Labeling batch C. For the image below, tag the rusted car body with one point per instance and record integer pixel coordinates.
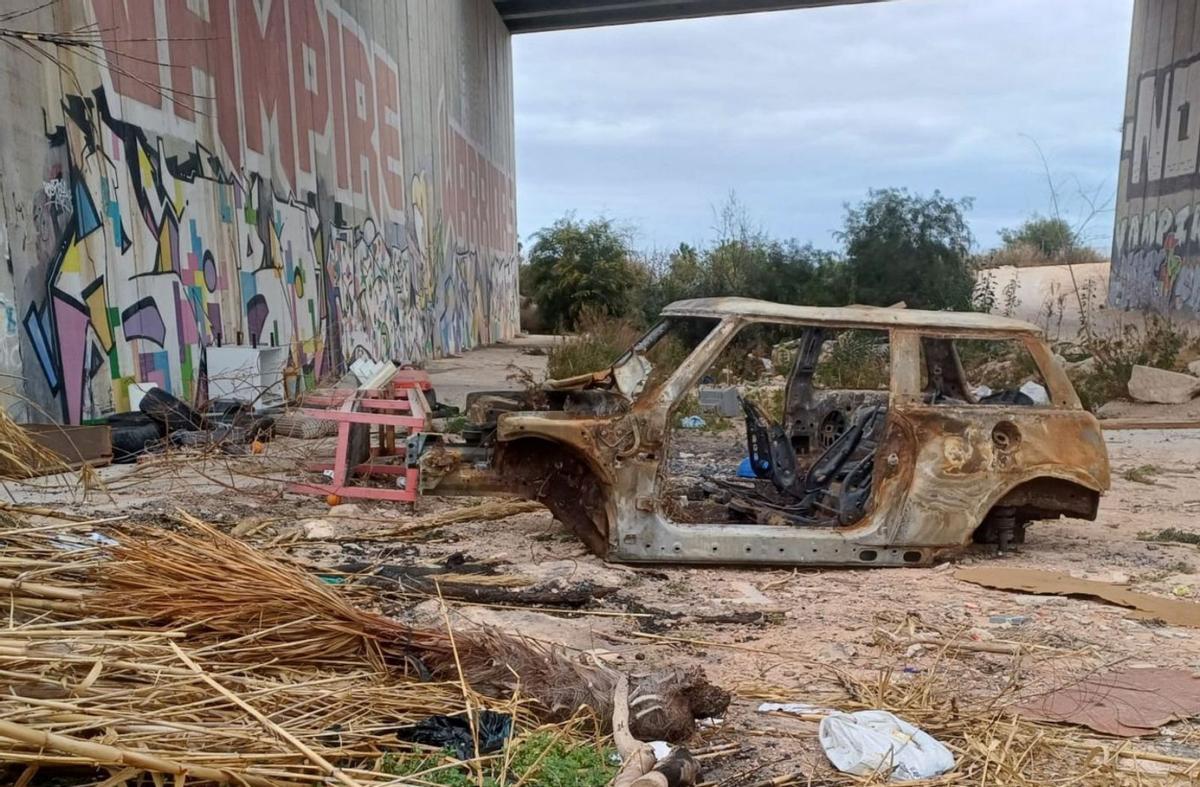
(944, 467)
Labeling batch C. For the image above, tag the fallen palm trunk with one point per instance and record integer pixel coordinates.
(482, 588)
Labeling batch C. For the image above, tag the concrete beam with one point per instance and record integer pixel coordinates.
(532, 16)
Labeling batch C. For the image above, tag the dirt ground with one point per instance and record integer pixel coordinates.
(762, 634)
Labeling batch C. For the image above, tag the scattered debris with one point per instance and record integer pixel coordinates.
(872, 742)
(305, 427)
(1008, 621)
(460, 583)
(1126, 703)
(1027, 580)
(943, 643)
(492, 511)
(693, 422)
(795, 709)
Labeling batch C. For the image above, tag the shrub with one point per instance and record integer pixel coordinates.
(905, 247)
(1024, 255)
(1048, 237)
(855, 360)
(1160, 343)
(575, 266)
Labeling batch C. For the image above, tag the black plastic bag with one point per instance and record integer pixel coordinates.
(454, 733)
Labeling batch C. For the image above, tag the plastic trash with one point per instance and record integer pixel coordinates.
(1036, 392)
(693, 422)
(454, 733)
(877, 742)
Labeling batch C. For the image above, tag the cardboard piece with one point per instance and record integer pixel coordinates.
(1053, 583)
(1126, 703)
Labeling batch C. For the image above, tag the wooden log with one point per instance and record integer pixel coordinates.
(678, 769)
(637, 758)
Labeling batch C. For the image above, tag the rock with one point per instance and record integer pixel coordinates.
(345, 509)
(1194, 367)
(1081, 368)
(318, 530)
(1008, 621)
(1160, 386)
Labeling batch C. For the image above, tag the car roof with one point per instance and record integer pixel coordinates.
(848, 316)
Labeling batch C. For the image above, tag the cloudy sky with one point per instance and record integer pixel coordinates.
(799, 112)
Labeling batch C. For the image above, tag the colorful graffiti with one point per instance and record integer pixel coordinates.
(1156, 259)
(1156, 242)
(156, 247)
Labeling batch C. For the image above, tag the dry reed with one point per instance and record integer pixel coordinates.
(186, 653)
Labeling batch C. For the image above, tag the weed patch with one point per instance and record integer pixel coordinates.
(600, 341)
(1170, 535)
(1142, 474)
(1160, 343)
(455, 424)
(542, 759)
(855, 360)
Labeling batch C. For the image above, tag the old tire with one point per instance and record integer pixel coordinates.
(169, 411)
(132, 433)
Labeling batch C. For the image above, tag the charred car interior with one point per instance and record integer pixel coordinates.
(880, 449)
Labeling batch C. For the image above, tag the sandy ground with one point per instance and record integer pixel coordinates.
(801, 629)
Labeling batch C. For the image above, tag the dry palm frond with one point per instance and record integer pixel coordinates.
(94, 672)
(21, 456)
(204, 579)
(186, 650)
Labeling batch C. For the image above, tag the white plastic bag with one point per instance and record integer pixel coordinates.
(1036, 392)
(876, 742)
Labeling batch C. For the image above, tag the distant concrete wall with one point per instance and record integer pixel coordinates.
(1156, 244)
(330, 176)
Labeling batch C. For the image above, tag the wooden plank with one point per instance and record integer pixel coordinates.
(76, 445)
(1118, 424)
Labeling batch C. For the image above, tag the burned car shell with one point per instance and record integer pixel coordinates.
(941, 469)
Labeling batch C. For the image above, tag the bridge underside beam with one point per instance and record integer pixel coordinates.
(532, 16)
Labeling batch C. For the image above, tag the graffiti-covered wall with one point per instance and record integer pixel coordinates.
(1156, 243)
(330, 176)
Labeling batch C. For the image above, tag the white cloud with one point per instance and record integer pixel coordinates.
(800, 111)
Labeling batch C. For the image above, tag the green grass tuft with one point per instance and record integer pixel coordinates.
(541, 760)
(1142, 474)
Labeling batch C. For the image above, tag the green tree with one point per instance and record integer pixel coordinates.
(575, 266)
(906, 247)
(1051, 236)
